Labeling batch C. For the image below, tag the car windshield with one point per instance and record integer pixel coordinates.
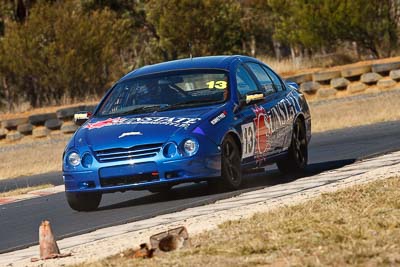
(166, 91)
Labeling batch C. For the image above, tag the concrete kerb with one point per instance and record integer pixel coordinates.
(113, 240)
(32, 194)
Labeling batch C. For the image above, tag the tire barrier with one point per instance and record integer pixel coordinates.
(42, 125)
(359, 78)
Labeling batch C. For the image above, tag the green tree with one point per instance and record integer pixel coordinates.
(210, 26)
(257, 27)
(373, 24)
(305, 24)
(61, 52)
(323, 24)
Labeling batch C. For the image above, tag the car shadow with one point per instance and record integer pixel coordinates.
(200, 193)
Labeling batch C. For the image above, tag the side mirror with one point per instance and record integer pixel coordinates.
(250, 97)
(293, 85)
(254, 97)
(81, 117)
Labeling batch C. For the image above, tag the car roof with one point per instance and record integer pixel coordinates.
(210, 62)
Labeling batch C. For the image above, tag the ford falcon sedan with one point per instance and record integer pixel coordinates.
(189, 120)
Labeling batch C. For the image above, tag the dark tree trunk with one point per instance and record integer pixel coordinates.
(21, 11)
(277, 50)
(253, 46)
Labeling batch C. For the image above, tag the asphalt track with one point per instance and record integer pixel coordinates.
(19, 221)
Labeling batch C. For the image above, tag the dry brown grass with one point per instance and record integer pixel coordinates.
(31, 157)
(25, 110)
(355, 112)
(288, 66)
(24, 190)
(359, 226)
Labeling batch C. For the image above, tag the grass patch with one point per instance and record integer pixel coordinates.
(359, 226)
(31, 158)
(355, 112)
(24, 190)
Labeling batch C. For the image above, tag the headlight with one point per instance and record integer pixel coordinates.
(190, 147)
(74, 159)
(170, 150)
(87, 160)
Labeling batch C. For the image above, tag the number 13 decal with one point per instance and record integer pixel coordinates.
(249, 141)
(217, 84)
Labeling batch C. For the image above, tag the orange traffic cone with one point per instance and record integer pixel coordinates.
(47, 242)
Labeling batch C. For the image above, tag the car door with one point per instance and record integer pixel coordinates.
(284, 111)
(253, 117)
(273, 98)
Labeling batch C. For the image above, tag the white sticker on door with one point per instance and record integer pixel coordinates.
(248, 137)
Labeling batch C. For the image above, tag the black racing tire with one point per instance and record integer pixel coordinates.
(160, 189)
(40, 119)
(53, 124)
(231, 170)
(83, 201)
(25, 129)
(297, 158)
(67, 113)
(12, 124)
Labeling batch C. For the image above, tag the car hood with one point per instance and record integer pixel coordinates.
(150, 128)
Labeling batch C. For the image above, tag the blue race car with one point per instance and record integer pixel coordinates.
(205, 118)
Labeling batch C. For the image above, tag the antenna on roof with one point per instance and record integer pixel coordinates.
(190, 50)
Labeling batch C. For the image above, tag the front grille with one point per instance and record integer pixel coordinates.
(127, 180)
(136, 152)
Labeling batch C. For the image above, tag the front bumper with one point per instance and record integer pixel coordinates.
(124, 176)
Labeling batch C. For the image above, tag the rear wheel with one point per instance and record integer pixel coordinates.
(296, 160)
(83, 201)
(230, 164)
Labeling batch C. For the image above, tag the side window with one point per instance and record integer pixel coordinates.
(262, 77)
(275, 79)
(244, 81)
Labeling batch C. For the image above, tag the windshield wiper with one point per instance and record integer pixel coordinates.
(141, 109)
(188, 103)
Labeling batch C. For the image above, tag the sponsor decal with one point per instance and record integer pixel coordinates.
(170, 121)
(217, 84)
(257, 135)
(263, 132)
(105, 123)
(82, 116)
(130, 134)
(249, 140)
(219, 118)
(198, 130)
(250, 98)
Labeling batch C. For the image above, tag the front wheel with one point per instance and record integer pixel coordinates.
(230, 164)
(83, 201)
(296, 160)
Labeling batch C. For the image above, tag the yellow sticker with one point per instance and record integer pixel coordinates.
(250, 98)
(217, 84)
